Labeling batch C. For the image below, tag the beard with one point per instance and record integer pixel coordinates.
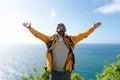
(61, 33)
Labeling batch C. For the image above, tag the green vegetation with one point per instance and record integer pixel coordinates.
(45, 75)
(75, 76)
(111, 72)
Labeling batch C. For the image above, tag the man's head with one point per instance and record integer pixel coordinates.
(61, 29)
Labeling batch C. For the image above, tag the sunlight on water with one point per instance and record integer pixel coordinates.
(7, 65)
(16, 60)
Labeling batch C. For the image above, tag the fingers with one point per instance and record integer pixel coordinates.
(96, 25)
(30, 24)
(24, 24)
(27, 25)
(99, 23)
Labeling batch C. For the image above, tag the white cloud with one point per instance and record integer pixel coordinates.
(112, 7)
(116, 1)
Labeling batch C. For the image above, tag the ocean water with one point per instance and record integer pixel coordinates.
(17, 60)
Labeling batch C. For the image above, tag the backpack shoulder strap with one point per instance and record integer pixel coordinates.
(51, 40)
(70, 41)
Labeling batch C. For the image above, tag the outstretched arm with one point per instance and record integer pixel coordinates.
(85, 34)
(37, 34)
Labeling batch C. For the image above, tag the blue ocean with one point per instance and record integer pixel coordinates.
(17, 60)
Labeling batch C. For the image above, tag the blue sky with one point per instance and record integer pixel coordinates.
(44, 15)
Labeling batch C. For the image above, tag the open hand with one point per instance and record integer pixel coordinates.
(96, 25)
(27, 25)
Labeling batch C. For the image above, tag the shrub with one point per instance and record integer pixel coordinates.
(45, 75)
(111, 72)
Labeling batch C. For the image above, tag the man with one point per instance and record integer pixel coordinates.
(60, 57)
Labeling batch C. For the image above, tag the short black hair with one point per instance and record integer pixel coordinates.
(61, 24)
